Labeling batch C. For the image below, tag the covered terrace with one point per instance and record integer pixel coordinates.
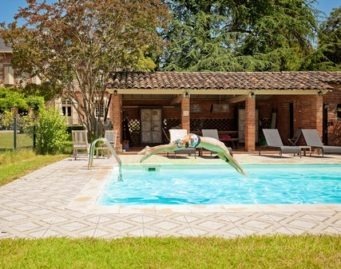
(238, 104)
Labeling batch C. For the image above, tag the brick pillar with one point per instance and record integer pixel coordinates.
(116, 118)
(317, 114)
(185, 113)
(250, 121)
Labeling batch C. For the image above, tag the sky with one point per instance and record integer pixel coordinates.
(9, 7)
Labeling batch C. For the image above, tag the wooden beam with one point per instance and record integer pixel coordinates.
(176, 100)
(236, 99)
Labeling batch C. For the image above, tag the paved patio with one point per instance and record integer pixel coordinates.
(60, 200)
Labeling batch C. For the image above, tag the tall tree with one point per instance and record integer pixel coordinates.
(330, 38)
(237, 35)
(327, 55)
(76, 44)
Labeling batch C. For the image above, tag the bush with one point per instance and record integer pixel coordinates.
(51, 132)
(6, 120)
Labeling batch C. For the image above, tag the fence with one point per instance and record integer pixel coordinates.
(15, 136)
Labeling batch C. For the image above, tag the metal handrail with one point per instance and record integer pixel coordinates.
(112, 150)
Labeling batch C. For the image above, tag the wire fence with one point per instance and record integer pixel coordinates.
(14, 136)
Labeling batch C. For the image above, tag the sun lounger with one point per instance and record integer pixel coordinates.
(176, 134)
(214, 134)
(313, 140)
(274, 140)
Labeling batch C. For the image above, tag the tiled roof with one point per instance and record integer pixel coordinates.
(3, 47)
(225, 80)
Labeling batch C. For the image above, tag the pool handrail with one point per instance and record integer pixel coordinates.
(112, 150)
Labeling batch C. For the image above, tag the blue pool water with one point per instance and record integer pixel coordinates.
(265, 184)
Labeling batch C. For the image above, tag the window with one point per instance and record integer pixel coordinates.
(67, 107)
(100, 106)
(195, 108)
(66, 111)
(338, 111)
(99, 109)
(36, 80)
(8, 75)
(219, 108)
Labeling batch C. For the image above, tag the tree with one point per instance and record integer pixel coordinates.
(239, 35)
(329, 42)
(75, 45)
(11, 98)
(330, 37)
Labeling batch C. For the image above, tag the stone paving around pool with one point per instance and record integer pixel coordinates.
(60, 200)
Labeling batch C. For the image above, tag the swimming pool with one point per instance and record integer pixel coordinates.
(205, 185)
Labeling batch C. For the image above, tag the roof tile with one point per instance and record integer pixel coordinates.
(225, 80)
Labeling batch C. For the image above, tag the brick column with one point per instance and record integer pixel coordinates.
(317, 114)
(250, 121)
(116, 118)
(185, 113)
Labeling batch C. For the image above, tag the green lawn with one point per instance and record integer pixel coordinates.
(7, 137)
(250, 252)
(14, 164)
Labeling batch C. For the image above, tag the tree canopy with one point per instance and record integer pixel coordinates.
(11, 98)
(239, 35)
(330, 38)
(77, 44)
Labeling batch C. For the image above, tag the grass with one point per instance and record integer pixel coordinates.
(15, 164)
(249, 252)
(23, 140)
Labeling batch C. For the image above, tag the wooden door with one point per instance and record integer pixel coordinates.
(151, 132)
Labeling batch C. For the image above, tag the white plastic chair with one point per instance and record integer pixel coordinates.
(111, 136)
(176, 134)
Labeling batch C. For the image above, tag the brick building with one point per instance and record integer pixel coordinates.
(238, 104)
(6, 70)
(9, 78)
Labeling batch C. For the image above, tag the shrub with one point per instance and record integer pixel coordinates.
(6, 120)
(51, 132)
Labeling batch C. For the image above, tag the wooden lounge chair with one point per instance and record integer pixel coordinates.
(274, 140)
(313, 140)
(79, 142)
(176, 134)
(214, 134)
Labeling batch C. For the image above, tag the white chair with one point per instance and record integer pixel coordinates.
(79, 142)
(176, 134)
(111, 136)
